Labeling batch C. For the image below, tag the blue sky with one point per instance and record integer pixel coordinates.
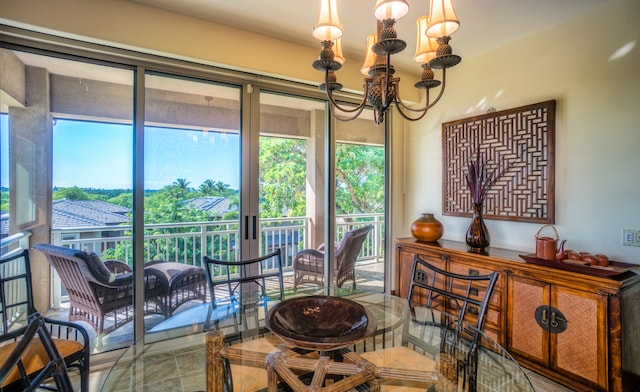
(97, 155)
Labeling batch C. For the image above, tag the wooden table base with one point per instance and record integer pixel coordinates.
(286, 366)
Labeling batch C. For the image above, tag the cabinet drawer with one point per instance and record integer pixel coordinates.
(478, 288)
(493, 319)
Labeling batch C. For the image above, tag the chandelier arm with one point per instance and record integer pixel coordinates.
(428, 105)
(444, 83)
(335, 104)
(349, 118)
(423, 111)
(400, 104)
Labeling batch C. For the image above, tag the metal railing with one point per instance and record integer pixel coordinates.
(188, 242)
(13, 292)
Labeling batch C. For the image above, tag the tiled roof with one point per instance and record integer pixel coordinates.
(82, 213)
(214, 205)
(86, 213)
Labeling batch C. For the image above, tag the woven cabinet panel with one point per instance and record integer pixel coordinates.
(526, 334)
(577, 347)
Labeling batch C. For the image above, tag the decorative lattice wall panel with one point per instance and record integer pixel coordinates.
(522, 138)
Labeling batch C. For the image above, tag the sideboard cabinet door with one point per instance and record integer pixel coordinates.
(560, 328)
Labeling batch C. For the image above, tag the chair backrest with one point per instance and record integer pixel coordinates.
(245, 284)
(349, 248)
(463, 299)
(16, 294)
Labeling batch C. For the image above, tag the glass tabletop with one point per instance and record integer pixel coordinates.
(405, 343)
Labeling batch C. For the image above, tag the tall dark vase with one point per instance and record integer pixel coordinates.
(477, 234)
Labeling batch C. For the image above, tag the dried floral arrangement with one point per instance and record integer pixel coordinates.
(479, 179)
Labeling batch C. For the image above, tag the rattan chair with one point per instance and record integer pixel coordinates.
(100, 290)
(308, 264)
(28, 360)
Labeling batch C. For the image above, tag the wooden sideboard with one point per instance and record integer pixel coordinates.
(578, 329)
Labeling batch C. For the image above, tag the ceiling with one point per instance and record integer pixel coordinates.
(484, 24)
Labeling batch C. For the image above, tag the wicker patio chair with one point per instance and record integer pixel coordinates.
(308, 264)
(100, 290)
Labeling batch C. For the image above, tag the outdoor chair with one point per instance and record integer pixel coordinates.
(308, 264)
(240, 289)
(437, 297)
(33, 348)
(104, 290)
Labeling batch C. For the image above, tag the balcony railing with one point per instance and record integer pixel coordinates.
(188, 242)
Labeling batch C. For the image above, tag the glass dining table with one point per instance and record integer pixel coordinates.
(404, 351)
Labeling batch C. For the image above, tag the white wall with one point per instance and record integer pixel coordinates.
(597, 129)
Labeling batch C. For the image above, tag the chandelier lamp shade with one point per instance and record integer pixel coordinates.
(381, 88)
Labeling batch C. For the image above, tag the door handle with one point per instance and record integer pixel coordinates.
(541, 315)
(255, 226)
(558, 322)
(551, 319)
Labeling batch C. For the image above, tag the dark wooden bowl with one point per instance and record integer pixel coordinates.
(320, 323)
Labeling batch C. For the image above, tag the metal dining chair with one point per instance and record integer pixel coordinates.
(27, 360)
(444, 307)
(458, 303)
(240, 289)
(241, 292)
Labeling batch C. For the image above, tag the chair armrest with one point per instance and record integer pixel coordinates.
(308, 258)
(309, 254)
(117, 266)
(67, 330)
(335, 247)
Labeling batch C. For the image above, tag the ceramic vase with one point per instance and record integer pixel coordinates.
(427, 228)
(477, 234)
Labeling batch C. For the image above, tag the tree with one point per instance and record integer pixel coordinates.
(207, 188)
(282, 177)
(182, 185)
(359, 179)
(72, 193)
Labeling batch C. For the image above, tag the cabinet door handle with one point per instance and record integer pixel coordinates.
(474, 272)
(556, 319)
(541, 315)
(545, 317)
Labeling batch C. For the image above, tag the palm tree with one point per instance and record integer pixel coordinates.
(207, 188)
(221, 188)
(183, 186)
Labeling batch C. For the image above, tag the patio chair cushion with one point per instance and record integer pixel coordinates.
(185, 283)
(96, 266)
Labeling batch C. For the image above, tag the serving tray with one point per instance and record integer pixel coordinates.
(614, 268)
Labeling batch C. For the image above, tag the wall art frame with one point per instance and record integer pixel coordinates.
(522, 142)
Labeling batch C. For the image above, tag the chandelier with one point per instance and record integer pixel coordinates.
(381, 88)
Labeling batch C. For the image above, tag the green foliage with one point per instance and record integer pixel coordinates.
(72, 193)
(282, 177)
(4, 200)
(215, 188)
(359, 179)
(124, 199)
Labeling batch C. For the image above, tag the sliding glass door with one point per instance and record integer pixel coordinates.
(192, 141)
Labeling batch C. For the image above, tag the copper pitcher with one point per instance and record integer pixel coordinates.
(546, 247)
